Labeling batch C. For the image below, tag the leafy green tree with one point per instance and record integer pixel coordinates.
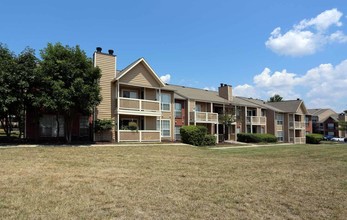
(25, 81)
(7, 96)
(276, 98)
(69, 83)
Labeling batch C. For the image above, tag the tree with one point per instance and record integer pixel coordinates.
(25, 81)
(276, 98)
(7, 96)
(69, 83)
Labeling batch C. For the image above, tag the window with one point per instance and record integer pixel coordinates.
(198, 107)
(165, 102)
(331, 125)
(130, 94)
(84, 126)
(178, 110)
(279, 119)
(165, 127)
(279, 136)
(177, 133)
(48, 126)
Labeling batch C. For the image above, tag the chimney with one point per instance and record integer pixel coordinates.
(110, 52)
(98, 49)
(225, 91)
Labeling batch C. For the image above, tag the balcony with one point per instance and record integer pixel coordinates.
(139, 107)
(298, 140)
(256, 120)
(139, 136)
(297, 125)
(204, 117)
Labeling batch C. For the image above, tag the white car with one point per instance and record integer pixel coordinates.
(338, 139)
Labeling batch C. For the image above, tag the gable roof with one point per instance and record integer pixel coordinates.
(319, 111)
(290, 106)
(123, 72)
(261, 103)
(196, 94)
(183, 92)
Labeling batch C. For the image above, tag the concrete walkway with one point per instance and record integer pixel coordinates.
(94, 145)
(246, 145)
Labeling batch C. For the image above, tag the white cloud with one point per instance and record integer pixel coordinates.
(323, 21)
(308, 36)
(166, 78)
(210, 88)
(322, 86)
(245, 91)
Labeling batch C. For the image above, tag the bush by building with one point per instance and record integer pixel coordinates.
(256, 138)
(196, 135)
(314, 138)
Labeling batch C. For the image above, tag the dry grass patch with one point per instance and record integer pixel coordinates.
(160, 182)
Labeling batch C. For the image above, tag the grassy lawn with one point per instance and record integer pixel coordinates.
(174, 182)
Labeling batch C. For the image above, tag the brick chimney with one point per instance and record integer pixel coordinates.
(226, 91)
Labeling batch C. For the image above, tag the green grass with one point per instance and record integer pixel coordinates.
(174, 182)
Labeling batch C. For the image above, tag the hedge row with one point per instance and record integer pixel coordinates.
(313, 138)
(196, 135)
(256, 138)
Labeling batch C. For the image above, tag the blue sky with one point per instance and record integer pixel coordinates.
(297, 49)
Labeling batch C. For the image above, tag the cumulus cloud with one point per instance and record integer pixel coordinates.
(245, 91)
(166, 78)
(322, 86)
(308, 36)
(210, 88)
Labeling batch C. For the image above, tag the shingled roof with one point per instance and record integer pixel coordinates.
(290, 106)
(197, 94)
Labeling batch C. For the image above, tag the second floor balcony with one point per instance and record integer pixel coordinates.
(139, 106)
(256, 120)
(204, 117)
(297, 125)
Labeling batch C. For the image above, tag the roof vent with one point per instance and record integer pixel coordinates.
(98, 49)
(110, 52)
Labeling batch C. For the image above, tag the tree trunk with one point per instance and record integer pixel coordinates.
(58, 124)
(68, 126)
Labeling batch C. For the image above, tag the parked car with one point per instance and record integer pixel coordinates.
(328, 137)
(338, 139)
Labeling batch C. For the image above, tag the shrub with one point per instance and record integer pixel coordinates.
(268, 138)
(256, 138)
(314, 138)
(132, 126)
(196, 135)
(209, 140)
(103, 125)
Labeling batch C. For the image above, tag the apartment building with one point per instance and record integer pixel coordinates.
(289, 121)
(325, 121)
(136, 96)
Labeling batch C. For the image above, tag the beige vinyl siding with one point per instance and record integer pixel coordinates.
(107, 65)
(191, 105)
(151, 123)
(151, 94)
(301, 110)
(139, 76)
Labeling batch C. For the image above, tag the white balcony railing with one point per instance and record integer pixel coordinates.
(297, 125)
(204, 117)
(139, 105)
(139, 136)
(256, 120)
